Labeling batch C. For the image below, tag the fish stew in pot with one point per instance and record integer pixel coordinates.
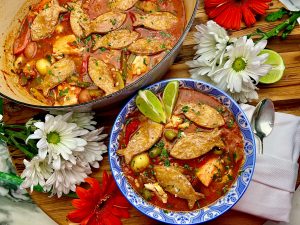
(69, 52)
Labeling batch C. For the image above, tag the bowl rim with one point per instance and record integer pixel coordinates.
(126, 88)
(164, 82)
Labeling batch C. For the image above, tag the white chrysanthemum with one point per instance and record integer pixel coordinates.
(212, 41)
(94, 149)
(82, 119)
(36, 172)
(245, 96)
(244, 66)
(65, 179)
(58, 139)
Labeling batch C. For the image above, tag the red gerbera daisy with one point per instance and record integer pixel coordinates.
(229, 13)
(99, 205)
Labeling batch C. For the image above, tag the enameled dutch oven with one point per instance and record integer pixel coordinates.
(12, 12)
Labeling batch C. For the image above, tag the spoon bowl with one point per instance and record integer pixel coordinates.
(262, 120)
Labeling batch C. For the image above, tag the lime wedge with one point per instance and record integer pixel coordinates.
(170, 97)
(277, 70)
(150, 106)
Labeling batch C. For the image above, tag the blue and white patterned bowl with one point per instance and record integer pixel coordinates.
(206, 213)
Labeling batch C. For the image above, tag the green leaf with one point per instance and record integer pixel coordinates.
(276, 15)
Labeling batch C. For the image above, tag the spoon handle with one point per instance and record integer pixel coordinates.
(261, 145)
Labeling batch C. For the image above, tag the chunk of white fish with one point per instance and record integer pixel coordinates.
(117, 39)
(156, 20)
(45, 22)
(177, 184)
(193, 145)
(101, 75)
(149, 46)
(106, 22)
(143, 139)
(57, 73)
(203, 115)
(78, 19)
(122, 4)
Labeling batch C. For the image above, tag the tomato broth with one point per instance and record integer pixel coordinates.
(230, 157)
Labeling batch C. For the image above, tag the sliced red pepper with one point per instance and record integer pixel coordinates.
(131, 128)
(132, 17)
(24, 37)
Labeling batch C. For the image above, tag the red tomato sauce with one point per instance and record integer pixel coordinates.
(232, 158)
(30, 76)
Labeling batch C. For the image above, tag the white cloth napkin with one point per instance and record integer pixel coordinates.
(270, 192)
(293, 5)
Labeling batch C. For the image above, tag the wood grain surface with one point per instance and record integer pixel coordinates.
(285, 94)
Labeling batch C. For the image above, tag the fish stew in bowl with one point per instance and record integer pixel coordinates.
(188, 162)
(70, 52)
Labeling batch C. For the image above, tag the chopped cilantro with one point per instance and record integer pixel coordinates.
(240, 172)
(63, 92)
(234, 156)
(164, 34)
(220, 109)
(167, 163)
(230, 177)
(185, 108)
(113, 21)
(230, 123)
(164, 153)
(179, 135)
(187, 167)
(145, 63)
(160, 145)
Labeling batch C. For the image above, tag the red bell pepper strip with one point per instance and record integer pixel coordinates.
(131, 128)
(24, 37)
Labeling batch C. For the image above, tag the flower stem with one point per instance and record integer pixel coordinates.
(276, 30)
(14, 126)
(12, 181)
(21, 148)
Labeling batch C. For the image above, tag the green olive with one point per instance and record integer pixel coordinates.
(170, 134)
(146, 194)
(154, 152)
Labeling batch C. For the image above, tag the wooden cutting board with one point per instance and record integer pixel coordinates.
(285, 94)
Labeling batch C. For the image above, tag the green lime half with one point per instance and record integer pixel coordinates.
(150, 106)
(169, 97)
(277, 70)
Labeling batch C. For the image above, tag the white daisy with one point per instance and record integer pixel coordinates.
(212, 41)
(65, 179)
(245, 96)
(94, 149)
(244, 66)
(57, 139)
(82, 119)
(36, 172)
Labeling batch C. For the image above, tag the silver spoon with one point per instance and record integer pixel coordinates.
(262, 120)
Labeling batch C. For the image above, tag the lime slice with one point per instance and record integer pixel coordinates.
(277, 70)
(150, 106)
(170, 97)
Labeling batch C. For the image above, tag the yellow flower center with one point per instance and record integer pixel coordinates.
(53, 137)
(239, 64)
